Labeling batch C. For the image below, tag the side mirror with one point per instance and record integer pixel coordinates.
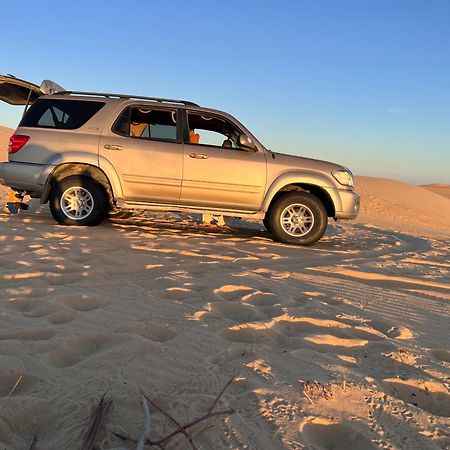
(246, 143)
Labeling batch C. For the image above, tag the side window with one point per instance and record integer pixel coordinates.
(146, 123)
(212, 130)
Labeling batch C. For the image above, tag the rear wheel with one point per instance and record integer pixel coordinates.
(298, 218)
(78, 200)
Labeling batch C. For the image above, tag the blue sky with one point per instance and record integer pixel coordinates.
(365, 83)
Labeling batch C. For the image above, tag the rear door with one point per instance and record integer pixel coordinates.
(145, 148)
(20, 92)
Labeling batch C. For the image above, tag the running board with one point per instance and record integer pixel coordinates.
(258, 215)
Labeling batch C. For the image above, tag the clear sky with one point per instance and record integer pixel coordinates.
(365, 83)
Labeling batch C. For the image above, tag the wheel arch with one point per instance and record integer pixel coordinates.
(68, 169)
(314, 186)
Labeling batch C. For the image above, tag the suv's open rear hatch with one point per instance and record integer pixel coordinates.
(20, 92)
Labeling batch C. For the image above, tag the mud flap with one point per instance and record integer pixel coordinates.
(15, 203)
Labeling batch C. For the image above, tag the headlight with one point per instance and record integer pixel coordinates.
(343, 177)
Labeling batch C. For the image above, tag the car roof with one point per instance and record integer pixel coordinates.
(125, 97)
(126, 100)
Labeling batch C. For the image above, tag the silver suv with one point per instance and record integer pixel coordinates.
(93, 154)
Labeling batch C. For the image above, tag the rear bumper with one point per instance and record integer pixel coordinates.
(350, 203)
(24, 177)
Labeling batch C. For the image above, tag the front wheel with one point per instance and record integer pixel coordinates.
(78, 200)
(298, 218)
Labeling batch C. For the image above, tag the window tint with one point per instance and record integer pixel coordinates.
(212, 130)
(60, 114)
(147, 123)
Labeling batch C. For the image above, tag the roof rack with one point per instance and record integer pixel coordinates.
(105, 94)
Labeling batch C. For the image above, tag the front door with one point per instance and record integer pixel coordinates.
(144, 147)
(217, 173)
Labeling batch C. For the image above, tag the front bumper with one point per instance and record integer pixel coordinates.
(350, 204)
(24, 177)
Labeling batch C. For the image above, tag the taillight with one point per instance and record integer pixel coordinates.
(16, 142)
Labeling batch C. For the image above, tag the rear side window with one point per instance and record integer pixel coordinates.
(60, 114)
(146, 123)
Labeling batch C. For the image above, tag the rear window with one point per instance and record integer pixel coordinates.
(60, 114)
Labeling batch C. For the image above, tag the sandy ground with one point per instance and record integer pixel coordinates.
(343, 345)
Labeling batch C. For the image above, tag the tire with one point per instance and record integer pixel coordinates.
(119, 214)
(93, 204)
(298, 218)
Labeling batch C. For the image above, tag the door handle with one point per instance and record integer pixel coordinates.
(112, 147)
(199, 155)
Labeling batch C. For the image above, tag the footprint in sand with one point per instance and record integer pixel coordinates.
(325, 342)
(325, 434)
(366, 332)
(244, 304)
(400, 332)
(31, 307)
(333, 300)
(361, 328)
(427, 395)
(441, 354)
(158, 332)
(32, 293)
(253, 333)
(393, 331)
(25, 305)
(267, 304)
(76, 350)
(27, 335)
(231, 292)
(84, 302)
(57, 279)
(179, 293)
(16, 383)
(298, 331)
(235, 312)
(314, 294)
(43, 310)
(261, 299)
(62, 316)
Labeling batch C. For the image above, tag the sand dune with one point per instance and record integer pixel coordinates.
(439, 188)
(394, 205)
(343, 345)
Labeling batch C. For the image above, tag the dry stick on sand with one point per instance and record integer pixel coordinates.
(33, 444)
(303, 383)
(14, 387)
(146, 432)
(220, 395)
(171, 419)
(95, 424)
(184, 429)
